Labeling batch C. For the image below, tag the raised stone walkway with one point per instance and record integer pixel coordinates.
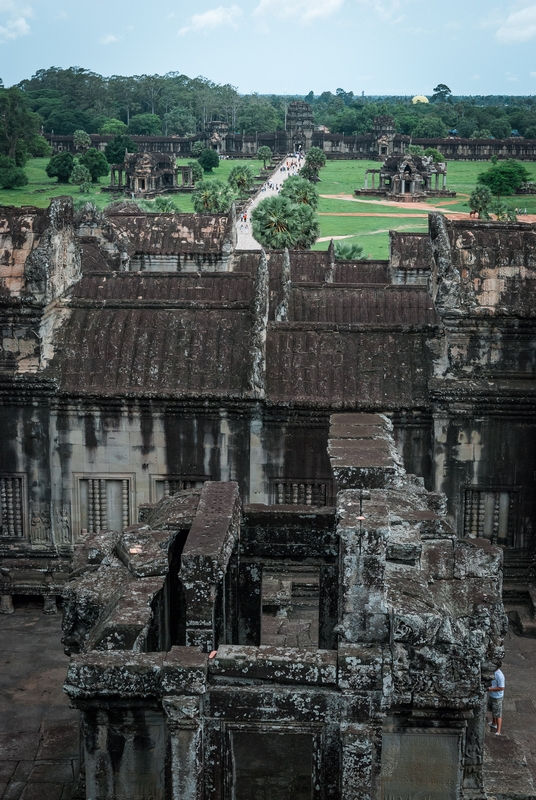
(245, 240)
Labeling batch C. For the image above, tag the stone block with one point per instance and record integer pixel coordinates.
(437, 560)
(359, 668)
(112, 674)
(277, 664)
(477, 558)
(184, 671)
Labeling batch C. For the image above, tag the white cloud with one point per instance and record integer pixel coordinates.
(511, 77)
(15, 21)
(453, 26)
(110, 38)
(386, 10)
(533, 74)
(213, 18)
(304, 10)
(519, 26)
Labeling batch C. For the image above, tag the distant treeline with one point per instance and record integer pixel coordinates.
(78, 99)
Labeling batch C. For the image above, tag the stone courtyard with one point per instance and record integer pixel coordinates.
(39, 732)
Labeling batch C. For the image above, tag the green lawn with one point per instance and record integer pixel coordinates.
(41, 188)
(342, 177)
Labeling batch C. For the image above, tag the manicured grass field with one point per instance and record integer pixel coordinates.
(41, 188)
(342, 177)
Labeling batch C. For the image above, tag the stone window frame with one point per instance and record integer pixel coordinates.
(108, 476)
(315, 730)
(24, 516)
(155, 479)
(514, 492)
(297, 483)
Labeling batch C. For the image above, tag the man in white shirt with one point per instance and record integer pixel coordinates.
(495, 700)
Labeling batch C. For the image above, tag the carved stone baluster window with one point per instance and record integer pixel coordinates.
(490, 513)
(305, 493)
(103, 503)
(12, 506)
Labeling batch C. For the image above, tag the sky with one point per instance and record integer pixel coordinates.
(380, 47)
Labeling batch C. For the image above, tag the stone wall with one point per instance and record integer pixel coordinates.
(183, 692)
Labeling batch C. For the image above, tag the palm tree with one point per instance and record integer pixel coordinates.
(241, 178)
(212, 197)
(348, 252)
(264, 154)
(279, 223)
(314, 161)
(300, 191)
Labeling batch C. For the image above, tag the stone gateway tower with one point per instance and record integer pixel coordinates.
(300, 126)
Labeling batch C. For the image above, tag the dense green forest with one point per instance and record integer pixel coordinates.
(72, 99)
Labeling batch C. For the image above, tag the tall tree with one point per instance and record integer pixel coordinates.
(442, 94)
(97, 164)
(81, 140)
(504, 178)
(60, 166)
(145, 125)
(209, 159)
(264, 154)
(18, 125)
(115, 150)
(11, 176)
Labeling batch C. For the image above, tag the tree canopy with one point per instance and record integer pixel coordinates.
(145, 125)
(442, 94)
(277, 223)
(61, 166)
(209, 159)
(97, 164)
(504, 177)
(212, 197)
(115, 150)
(348, 251)
(264, 154)
(11, 176)
(241, 178)
(81, 140)
(314, 161)
(430, 127)
(18, 125)
(300, 191)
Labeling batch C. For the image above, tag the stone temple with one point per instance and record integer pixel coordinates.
(284, 497)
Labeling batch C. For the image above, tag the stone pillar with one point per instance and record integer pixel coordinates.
(357, 760)
(444, 180)
(184, 732)
(366, 180)
(6, 604)
(112, 181)
(49, 604)
(412, 187)
(402, 186)
(373, 176)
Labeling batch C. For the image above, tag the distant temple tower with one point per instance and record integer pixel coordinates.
(384, 134)
(300, 125)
